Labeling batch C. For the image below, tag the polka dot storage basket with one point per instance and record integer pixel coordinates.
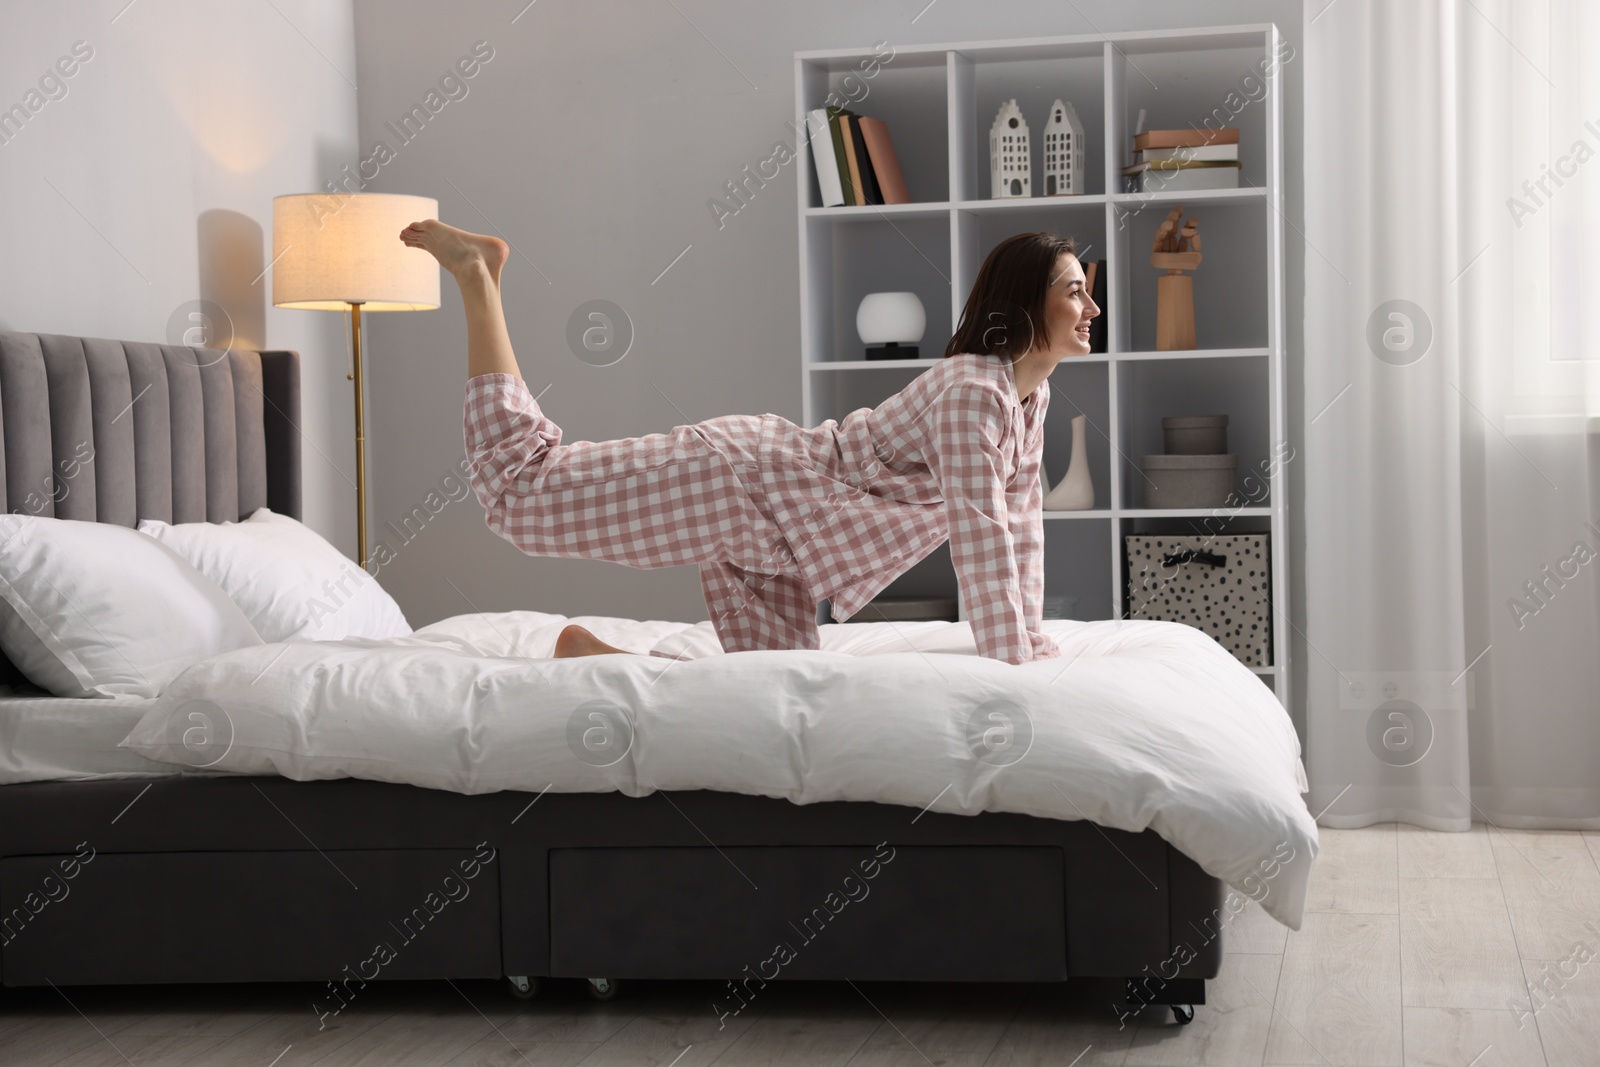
(1216, 584)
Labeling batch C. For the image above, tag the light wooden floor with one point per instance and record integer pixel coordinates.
(1414, 945)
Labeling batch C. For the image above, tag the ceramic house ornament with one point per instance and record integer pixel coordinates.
(1010, 154)
(1063, 151)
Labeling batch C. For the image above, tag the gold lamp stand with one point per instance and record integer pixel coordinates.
(361, 434)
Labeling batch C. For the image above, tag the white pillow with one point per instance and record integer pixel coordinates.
(293, 584)
(94, 609)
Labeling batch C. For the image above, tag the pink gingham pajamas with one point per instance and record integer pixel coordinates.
(777, 517)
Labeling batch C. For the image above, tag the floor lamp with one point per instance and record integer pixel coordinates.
(343, 253)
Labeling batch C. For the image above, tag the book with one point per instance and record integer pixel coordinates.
(858, 192)
(1190, 138)
(885, 164)
(1186, 178)
(869, 180)
(1090, 269)
(1167, 166)
(836, 132)
(1194, 152)
(1099, 325)
(823, 157)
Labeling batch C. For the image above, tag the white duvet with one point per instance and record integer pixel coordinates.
(1140, 725)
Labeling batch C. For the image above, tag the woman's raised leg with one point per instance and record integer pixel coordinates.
(475, 261)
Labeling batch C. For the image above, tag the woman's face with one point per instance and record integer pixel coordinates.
(1068, 308)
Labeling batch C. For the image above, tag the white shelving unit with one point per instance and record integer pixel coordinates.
(938, 101)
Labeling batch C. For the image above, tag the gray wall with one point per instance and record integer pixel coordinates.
(146, 184)
(592, 141)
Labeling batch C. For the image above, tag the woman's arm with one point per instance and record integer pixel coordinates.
(1025, 515)
(966, 459)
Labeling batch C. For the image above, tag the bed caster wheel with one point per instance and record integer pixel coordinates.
(1183, 1013)
(603, 988)
(523, 987)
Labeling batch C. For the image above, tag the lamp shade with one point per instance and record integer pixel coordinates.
(331, 251)
(890, 318)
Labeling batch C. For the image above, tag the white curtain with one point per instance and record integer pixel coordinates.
(1452, 412)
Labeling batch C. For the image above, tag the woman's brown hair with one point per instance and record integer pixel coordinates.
(1005, 312)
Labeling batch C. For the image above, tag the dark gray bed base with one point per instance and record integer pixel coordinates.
(265, 879)
(237, 879)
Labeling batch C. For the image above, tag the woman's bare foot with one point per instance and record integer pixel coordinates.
(574, 640)
(457, 250)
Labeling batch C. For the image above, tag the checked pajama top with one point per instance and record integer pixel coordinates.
(777, 516)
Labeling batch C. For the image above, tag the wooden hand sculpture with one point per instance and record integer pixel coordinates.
(1176, 249)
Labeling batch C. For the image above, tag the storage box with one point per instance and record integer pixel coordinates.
(1188, 481)
(1195, 435)
(1221, 585)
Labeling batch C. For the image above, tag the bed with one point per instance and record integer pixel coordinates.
(280, 862)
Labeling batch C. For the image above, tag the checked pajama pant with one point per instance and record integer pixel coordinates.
(692, 495)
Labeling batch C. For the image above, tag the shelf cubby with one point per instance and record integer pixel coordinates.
(1234, 238)
(977, 229)
(1152, 389)
(856, 256)
(1035, 78)
(1207, 527)
(907, 91)
(1202, 81)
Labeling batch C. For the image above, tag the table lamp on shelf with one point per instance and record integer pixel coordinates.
(344, 254)
(891, 324)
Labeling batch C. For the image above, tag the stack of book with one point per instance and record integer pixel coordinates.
(855, 159)
(1179, 160)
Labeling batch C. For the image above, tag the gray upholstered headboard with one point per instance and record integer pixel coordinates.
(118, 431)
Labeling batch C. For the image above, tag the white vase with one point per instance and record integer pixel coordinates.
(1076, 491)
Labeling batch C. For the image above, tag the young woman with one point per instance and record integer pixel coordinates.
(776, 516)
